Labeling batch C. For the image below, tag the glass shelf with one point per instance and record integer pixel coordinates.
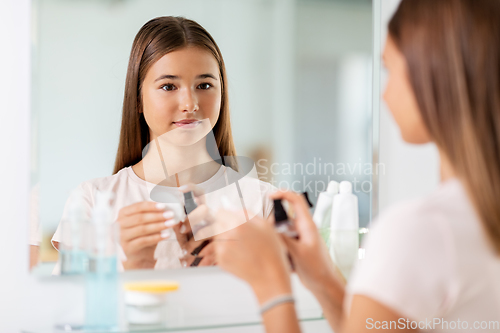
(188, 327)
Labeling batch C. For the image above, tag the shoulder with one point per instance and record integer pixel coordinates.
(410, 251)
(250, 179)
(113, 183)
(435, 212)
(105, 183)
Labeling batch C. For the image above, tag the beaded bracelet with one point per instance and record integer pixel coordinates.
(288, 298)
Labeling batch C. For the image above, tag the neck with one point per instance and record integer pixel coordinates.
(176, 165)
(179, 159)
(446, 169)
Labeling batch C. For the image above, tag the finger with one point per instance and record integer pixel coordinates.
(132, 221)
(146, 229)
(300, 207)
(185, 262)
(199, 217)
(142, 207)
(140, 243)
(208, 260)
(200, 247)
(182, 238)
(193, 245)
(196, 261)
(298, 202)
(184, 227)
(291, 244)
(207, 250)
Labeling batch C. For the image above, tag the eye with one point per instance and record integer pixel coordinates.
(205, 86)
(168, 87)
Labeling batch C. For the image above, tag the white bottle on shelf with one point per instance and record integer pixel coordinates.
(344, 229)
(73, 257)
(323, 209)
(101, 311)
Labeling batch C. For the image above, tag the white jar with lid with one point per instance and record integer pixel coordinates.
(146, 303)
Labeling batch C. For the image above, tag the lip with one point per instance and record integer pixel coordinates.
(187, 123)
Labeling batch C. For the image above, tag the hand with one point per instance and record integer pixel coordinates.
(309, 253)
(195, 252)
(254, 253)
(142, 226)
(200, 252)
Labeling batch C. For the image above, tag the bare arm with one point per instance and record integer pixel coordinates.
(252, 251)
(281, 318)
(330, 296)
(368, 315)
(317, 272)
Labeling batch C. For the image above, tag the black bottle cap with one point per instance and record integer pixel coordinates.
(189, 203)
(307, 199)
(279, 212)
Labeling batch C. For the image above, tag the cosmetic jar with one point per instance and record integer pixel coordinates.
(146, 303)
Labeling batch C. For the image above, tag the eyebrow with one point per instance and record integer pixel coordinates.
(175, 77)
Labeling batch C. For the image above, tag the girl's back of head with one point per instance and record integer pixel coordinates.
(452, 49)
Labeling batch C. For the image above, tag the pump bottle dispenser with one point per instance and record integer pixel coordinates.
(73, 255)
(101, 311)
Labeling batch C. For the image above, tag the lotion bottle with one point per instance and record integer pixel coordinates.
(344, 235)
(323, 211)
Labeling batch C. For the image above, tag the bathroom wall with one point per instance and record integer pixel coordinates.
(333, 114)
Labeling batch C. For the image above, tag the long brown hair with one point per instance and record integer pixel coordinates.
(156, 38)
(452, 48)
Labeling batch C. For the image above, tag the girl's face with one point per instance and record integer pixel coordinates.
(181, 95)
(400, 97)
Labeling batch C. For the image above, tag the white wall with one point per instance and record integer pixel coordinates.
(22, 297)
(410, 170)
(333, 97)
(14, 167)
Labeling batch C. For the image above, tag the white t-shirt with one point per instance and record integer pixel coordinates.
(129, 189)
(430, 259)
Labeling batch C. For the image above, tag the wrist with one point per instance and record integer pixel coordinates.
(329, 289)
(327, 276)
(272, 286)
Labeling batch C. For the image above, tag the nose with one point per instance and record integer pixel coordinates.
(188, 101)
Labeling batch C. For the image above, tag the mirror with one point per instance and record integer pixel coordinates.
(299, 78)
